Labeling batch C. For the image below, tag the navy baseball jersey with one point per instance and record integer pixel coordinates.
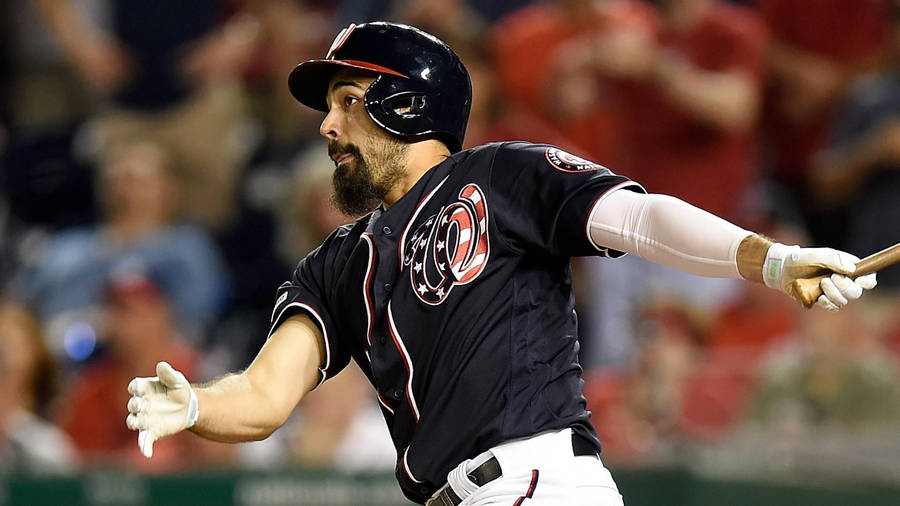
(457, 304)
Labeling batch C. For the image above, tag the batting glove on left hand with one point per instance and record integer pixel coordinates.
(160, 406)
(784, 264)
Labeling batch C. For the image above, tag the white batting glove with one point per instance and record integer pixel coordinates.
(160, 406)
(784, 264)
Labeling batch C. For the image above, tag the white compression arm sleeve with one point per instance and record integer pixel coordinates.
(668, 231)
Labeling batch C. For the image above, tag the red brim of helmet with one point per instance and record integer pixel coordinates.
(308, 81)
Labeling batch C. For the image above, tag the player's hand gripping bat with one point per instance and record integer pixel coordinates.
(808, 289)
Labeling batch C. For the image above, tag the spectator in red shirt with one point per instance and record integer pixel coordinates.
(493, 118)
(817, 48)
(692, 107)
(858, 172)
(544, 57)
(140, 332)
(689, 90)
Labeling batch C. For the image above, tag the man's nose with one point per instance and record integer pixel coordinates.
(330, 129)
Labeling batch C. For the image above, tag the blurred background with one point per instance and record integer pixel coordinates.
(158, 182)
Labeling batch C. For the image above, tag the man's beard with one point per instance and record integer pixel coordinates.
(357, 188)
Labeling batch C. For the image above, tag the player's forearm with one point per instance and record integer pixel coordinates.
(670, 232)
(232, 410)
(249, 406)
(667, 231)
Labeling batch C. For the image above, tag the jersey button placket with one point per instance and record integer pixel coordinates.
(397, 394)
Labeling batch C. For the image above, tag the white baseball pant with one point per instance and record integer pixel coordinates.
(538, 471)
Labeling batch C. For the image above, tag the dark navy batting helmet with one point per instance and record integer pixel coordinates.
(422, 90)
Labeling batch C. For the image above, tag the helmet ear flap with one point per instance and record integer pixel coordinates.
(406, 104)
(399, 111)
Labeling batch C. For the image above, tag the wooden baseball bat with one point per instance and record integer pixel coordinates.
(808, 289)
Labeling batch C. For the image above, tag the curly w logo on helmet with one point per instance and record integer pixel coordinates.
(450, 248)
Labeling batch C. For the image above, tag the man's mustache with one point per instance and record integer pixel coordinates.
(335, 149)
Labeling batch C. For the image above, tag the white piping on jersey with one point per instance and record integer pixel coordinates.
(322, 370)
(407, 359)
(406, 467)
(367, 300)
(412, 220)
(595, 205)
(381, 399)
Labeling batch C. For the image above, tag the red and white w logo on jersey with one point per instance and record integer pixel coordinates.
(450, 248)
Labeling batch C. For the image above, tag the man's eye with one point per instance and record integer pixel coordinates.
(348, 101)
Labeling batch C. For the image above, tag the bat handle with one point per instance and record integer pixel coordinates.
(807, 290)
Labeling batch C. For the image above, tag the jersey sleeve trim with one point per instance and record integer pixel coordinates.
(323, 370)
(587, 223)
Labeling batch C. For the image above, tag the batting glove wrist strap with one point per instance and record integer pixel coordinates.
(773, 266)
(193, 411)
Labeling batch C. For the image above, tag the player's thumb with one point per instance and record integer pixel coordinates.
(145, 443)
(169, 377)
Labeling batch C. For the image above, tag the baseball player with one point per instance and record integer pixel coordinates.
(453, 291)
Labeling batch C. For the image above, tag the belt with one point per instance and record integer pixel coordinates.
(490, 471)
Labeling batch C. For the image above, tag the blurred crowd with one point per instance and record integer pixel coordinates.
(158, 182)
